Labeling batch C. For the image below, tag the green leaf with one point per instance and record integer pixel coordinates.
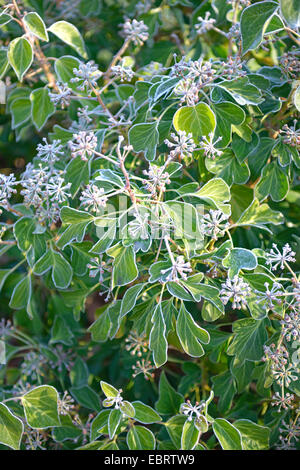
(64, 70)
(273, 182)
(198, 120)
(99, 424)
(259, 214)
(242, 91)
(40, 407)
(69, 34)
(215, 192)
(108, 390)
(129, 299)
(190, 435)
(86, 396)
(61, 270)
(3, 62)
(36, 25)
(254, 436)
(60, 332)
(78, 220)
(228, 436)
(190, 334)
(4, 19)
(145, 414)
(20, 56)
(124, 266)
(41, 107)
(227, 114)
(21, 294)
(114, 420)
(239, 259)
(254, 21)
(290, 11)
(144, 138)
(78, 174)
(127, 409)
(11, 428)
(205, 291)
(20, 109)
(100, 329)
(227, 167)
(140, 438)
(157, 339)
(225, 389)
(174, 427)
(249, 338)
(296, 97)
(169, 400)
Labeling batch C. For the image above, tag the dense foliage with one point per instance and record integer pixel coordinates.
(149, 238)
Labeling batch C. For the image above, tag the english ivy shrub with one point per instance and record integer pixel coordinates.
(150, 225)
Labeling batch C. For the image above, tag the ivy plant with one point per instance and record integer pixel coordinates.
(149, 236)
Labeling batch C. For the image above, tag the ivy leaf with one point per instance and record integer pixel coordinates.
(108, 390)
(61, 270)
(20, 56)
(124, 266)
(190, 435)
(198, 120)
(3, 61)
(40, 407)
(86, 396)
(274, 182)
(242, 91)
(114, 420)
(129, 299)
(290, 12)
(216, 192)
(259, 214)
(21, 294)
(238, 259)
(227, 114)
(78, 222)
(227, 167)
(20, 109)
(41, 107)
(140, 438)
(254, 21)
(254, 436)
(174, 427)
(36, 25)
(145, 414)
(11, 428)
(157, 339)
(190, 334)
(225, 389)
(249, 338)
(169, 400)
(69, 34)
(64, 70)
(144, 138)
(228, 436)
(78, 174)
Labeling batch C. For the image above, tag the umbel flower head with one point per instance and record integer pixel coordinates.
(49, 153)
(205, 24)
(182, 145)
(209, 146)
(135, 31)
(179, 267)
(93, 198)
(86, 75)
(63, 95)
(276, 258)
(215, 223)
(236, 290)
(84, 145)
(7, 188)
